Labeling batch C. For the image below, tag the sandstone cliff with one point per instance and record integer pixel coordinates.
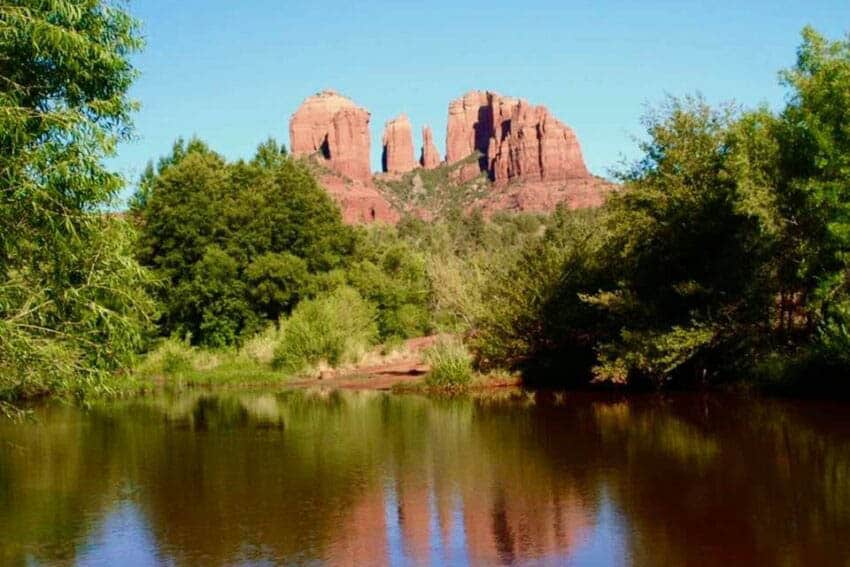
(430, 157)
(361, 203)
(335, 131)
(334, 127)
(398, 154)
(517, 141)
(502, 153)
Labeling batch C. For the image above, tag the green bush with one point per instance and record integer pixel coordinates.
(336, 329)
(530, 315)
(451, 364)
(171, 357)
(392, 275)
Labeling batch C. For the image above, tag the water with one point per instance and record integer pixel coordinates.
(367, 478)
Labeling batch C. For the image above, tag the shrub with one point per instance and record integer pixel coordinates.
(451, 364)
(170, 357)
(336, 329)
(392, 276)
(260, 348)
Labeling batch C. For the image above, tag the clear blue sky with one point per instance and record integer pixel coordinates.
(232, 72)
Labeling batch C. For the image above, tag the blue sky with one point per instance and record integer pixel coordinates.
(232, 72)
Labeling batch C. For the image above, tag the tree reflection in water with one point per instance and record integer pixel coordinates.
(364, 477)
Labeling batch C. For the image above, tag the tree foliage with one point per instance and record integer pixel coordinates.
(236, 244)
(691, 237)
(725, 249)
(70, 306)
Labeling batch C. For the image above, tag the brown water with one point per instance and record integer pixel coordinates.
(369, 478)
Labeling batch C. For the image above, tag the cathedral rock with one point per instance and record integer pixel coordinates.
(526, 158)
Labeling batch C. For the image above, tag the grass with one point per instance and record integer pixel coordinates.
(176, 364)
(487, 385)
(451, 364)
(173, 364)
(327, 332)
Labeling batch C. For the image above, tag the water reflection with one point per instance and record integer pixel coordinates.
(370, 478)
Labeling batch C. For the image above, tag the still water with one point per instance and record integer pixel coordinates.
(367, 478)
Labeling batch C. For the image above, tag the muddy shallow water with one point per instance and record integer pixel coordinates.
(371, 478)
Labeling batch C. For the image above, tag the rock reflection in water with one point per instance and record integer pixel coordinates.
(371, 478)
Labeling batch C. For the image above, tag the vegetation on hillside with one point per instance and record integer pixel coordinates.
(439, 191)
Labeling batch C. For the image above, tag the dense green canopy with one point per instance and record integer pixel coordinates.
(235, 244)
(724, 253)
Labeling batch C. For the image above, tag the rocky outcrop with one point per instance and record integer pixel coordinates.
(529, 144)
(398, 154)
(361, 203)
(430, 157)
(518, 141)
(470, 126)
(545, 196)
(336, 129)
(502, 153)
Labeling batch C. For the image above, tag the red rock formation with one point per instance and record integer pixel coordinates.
(545, 196)
(521, 142)
(469, 126)
(430, 154)
(398, 146)
(531, 145)
(360, 202)
(334, 127)
(336, 131)
(533, 160)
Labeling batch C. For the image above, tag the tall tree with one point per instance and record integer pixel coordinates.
(237, 244)
(70, 305)
(815, 183)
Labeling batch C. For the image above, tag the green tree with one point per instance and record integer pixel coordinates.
(692, 236)
(533, 318)
(815, 180)
(238, 243)
(70, 306)
(392, 275)
(276, 282)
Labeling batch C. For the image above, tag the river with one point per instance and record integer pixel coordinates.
(371, 478)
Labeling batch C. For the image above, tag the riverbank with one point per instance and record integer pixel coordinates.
(400, 368)
(378, 370)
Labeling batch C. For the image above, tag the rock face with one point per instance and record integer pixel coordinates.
(360, 202)
(519, 141)
(430, 157)
(334, 127)
(520, 157)
(470, 126)
(531, 145)
(334, 130)
(398, 154)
